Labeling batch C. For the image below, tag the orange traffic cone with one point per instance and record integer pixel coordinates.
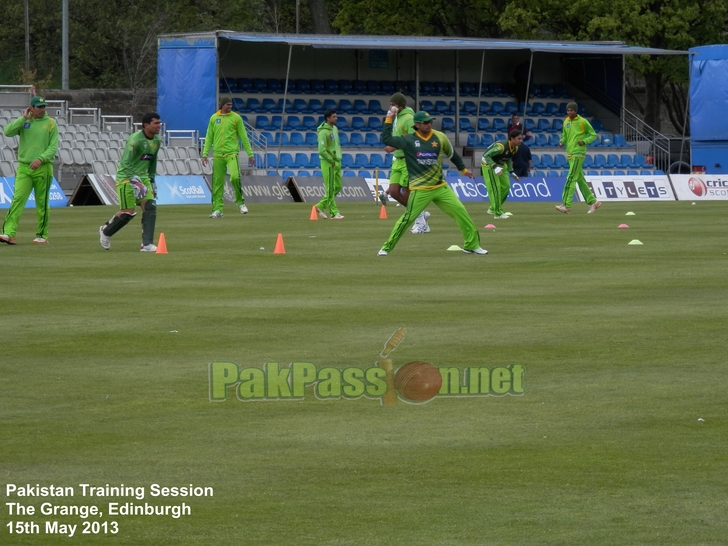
(280, 249)
(162, 246)
(383, 213)
(314, 213)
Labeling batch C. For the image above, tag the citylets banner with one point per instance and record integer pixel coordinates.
(56, 197)
(182, 190)
(527, 189)
(700, 187)
(630, 188)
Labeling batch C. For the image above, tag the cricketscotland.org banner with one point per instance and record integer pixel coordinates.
(700, 187)
(56, 197)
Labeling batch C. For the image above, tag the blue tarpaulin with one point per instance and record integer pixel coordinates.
(709, 93)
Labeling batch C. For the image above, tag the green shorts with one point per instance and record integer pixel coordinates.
(399, 173)
(126, 193)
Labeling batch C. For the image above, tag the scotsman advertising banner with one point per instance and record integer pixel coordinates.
(630, 188)
(700, 187)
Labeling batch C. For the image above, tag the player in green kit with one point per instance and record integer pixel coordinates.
(403, 124)
(36, 152)
(135, 184)
(577, 133)
(225, 132)
(423, 152)
(329, 150)
(497, 166)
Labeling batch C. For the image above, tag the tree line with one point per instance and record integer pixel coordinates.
(113, 44)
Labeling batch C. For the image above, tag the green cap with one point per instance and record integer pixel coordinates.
(422, 117)
(37, 101)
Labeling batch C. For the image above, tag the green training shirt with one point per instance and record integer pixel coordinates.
(38, 138)
(577, 130)
(139, 158)
(224, 134)
(329, 147)
(423, 156)
(403, 124)
(499, 154)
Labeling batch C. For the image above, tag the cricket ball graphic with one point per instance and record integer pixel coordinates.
(418, 381)
(697, 186)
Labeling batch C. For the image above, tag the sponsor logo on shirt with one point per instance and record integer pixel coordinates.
(26, 125)
(427, 158)
(146, 157)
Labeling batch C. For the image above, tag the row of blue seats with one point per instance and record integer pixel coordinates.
(356, 140)
(595, 161)
(499, 125)
(359, 106)
(384, 87)
(550, 140)
(294, 123)
(346, 173)
(304, 161)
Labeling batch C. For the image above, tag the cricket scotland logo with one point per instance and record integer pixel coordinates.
(415, 382)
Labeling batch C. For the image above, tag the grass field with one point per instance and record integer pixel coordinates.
(104, 366)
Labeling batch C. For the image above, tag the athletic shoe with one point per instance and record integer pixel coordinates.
(478, 250)
(490, 212)
(321, 214)
(148, 248)
(216, 214)
(562, 208)
(501, 217)
(383, 199)
(594, 206)
(382, 252)
(104, 239)
(337, 216)
(7, 239)
(40, 241)
(243, 209)
(420, 225)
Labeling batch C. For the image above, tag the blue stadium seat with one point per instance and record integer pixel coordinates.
(557, 126)
(440, 88)
(547, 90)
(604, 172)
(296, 139)
(269, 105)
(511, 107)
(359, 106)
(539, 173)
(331, 86)
(373, 87)
(427, 106)
(547, 162)
(597, 125)
(543, 125)
(541, 140)
(360, 87)
(552, 109)
(591, 173)
(244, 85)
(374, 124)
(263, 123)
(364, 174)
(329, 104)
(344, 139)
(347, 161)
(299, 106)
(377, 161)
(486, 140)
(270, 138)
(497, 108)
(362, 161)
(536, 108)
(452, 173)
(308, 123)
(427, 88)
(588, 162)
(499, 125)
(529, 125)
(315, 106)
(358, 124)
(613, 162)
(304, 173)
(632, 172)
(345, 107)
(284, 140)
(441, 108)
(387, 87)
(303, 86)
(346, 87)
(484, 108)
(293, 123)
(348, 173)
(560, 91)
(276, 122)
(472, 140)
(657, 172)
(496, 89)
(317, 86)
(253, 105)
(467, 89)
(274, 85)
(554, 139)
(311, 139)
(372, 139)
(272, 160)
(484, 125)
(466, 126)
(600, 162)
(618, 172)
(448, 125)
(553, 174)
(343, 125)
(356, 139)
(258, 85)
(375, 107)
(318, 173)
(303, 161)
(469, 108)
(640, 161)
(239, 105)
(560, 161)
